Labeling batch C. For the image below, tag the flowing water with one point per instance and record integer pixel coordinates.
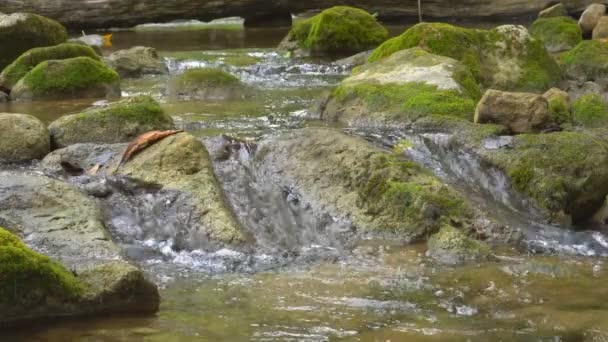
(308, 278)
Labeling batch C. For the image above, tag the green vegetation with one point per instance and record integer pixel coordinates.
(339, 29)
(31, 58)
(557, 33)
(451, 246)
(68, 76)
(560, 110)
(29, 279)
(590, 110)
(588, 61)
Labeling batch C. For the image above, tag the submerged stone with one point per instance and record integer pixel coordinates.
(20, 32)
(23, 137)
(337, 30)
(117, 122)
(80, 77)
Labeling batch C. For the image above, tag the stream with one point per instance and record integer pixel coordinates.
(309, 278)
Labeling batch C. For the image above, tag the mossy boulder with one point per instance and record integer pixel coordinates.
(590, 111)
(379, 192)
(120, 121)
(404, 87)
(181, 162)
(559, 105)
(505, 58)
(338, 30)
(207, 84)
(27, 61)
(20, 32)
(137, 61)
(588, 61)
(557, 33)
(23, 137)
(452, 247)
(80, 77)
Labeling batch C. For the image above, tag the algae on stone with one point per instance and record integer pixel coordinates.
(339, 29)
(28, 60)
(67, 78)
(121, 121)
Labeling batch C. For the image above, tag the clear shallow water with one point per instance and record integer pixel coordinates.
(339, 291)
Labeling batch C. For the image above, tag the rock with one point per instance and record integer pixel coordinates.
(590, 110)
(128, 13)
(404, 87)
(34, 288)
(588, 61)
(181, 162)
(137, 61)
(557, 33)
(207, 84)
(339, 30)
(601, 29)
(353, 181)
(559, 105)
(23, 31)
(80, 77)
(521, 112)
(354, 60)
(557, 10)
(452, 247)
(117, 122)
(23, 137)
(576, 90)
(505, 58)
(591, 17)
(31, 58)
(79, 159)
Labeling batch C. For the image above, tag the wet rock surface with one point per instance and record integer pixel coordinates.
(137, 61)
(24, 137)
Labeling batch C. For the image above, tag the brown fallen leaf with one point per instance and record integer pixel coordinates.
(143, 141)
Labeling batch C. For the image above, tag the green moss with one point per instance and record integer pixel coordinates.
(27, 61)
(28, 279)
(539, 71)
(587, 61)
(452, 246)
(28, 32)
(68, 76)
(140, 109)
(590, 110)
(409, 101)
(207, 77)
(559, 109)
(557, 33)
(339, 29)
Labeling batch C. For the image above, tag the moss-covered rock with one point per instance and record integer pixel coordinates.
(68, 78)
(23, 137)
(505, 58)
(20, 32)
(588, 61)
(27, 61)
(559, 105)
(404, 87)
(590, 111)
(207, 84)
(137, 61)
(121, 121)
(378, 191)
(557, 33)
(181, 162)
(450, 246)
(338, 30)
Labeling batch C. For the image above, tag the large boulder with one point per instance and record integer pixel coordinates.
(137, 61)
(404, 87)
(505, 58)
(20, 32)
(24, 137)
(120, 121)
(338, 30)
(34, 288)
(80, 77)
(557, 33)
(207, 84)
(588, 61)
(590, 17)
(378, 192)
(557, 10)
(27, 61)
(601, 29)
(520, 112)
(452, 247)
